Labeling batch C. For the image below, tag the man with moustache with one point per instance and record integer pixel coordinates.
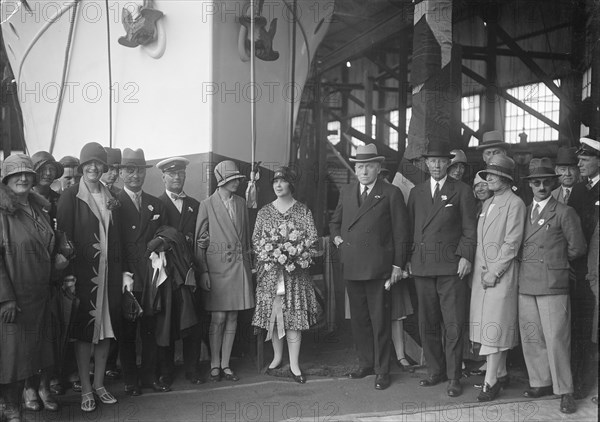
(370, 229)
(181, 212)
(113, 159)
(442, 216)
(568, 172)
(552, 238)
(141, 215)
(584, 198)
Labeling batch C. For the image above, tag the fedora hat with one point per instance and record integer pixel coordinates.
(438, 149)
(493, 139)
(134, 158)
(41, 158)
(92, 151)
(589, 147)
(15, 164)
(566, 156)
(366, 154)
(543, 168)
(113, 156)
(459, 157)
(226, 171)
(500, 165)
(172, 164)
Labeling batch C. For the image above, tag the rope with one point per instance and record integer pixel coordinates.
(64, 76)
(41, 32)
(110, 94)
(252, 81)
(293, 73)
(297, 21)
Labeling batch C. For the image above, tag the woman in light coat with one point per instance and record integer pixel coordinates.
(223, 251)
(494, 298)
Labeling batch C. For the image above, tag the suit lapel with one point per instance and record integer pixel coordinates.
(374, 197)
(497, 202)
(144, 212)
(548, 213)
(186, 214)
(448, 191)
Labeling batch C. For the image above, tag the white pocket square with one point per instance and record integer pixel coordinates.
(155, 217)
(449, 205)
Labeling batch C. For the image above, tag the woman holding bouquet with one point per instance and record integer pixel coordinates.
(284, 240)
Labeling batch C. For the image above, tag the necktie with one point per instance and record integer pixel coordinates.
(535, 214)
(363, 195)
(589, 185)
(176, 196)
(566, 195)
(436, 193)
(138, 200)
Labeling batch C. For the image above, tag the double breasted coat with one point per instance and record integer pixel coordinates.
(26, 251)
(375, 233)
(548, 246)
(227, 258)
(494, 320)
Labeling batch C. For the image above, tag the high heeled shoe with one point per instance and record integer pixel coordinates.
(489, 393)
(300, 379)
(271, 371)
(405, 365)
(215, 374)
(229, 376)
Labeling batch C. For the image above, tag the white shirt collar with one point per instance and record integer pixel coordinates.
(369, 187)
(595, 179)
(132, 194)
(542, 204)
(441, 183)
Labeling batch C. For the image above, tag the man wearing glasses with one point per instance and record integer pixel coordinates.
(553, 237)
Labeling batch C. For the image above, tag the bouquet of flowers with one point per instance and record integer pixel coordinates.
(286, 246)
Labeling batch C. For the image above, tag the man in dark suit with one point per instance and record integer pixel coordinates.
(181, 212)
(141, 215)
(568, 171)
(442, 217)
(108, 179)
(370, 229)
(552, 238)
(584, 199)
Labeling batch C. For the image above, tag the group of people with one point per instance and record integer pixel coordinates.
(86, 265)
(485, 265)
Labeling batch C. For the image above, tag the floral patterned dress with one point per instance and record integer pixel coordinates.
(299, 304)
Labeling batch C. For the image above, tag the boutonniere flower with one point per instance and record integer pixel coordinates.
(541, 221)
(190, 209)
(155, 217)
(377, 196)
(444, 198)
(112, 204)
(151, 208)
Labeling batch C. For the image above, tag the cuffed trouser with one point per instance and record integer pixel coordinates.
(545, 325)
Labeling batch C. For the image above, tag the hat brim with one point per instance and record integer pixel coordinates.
(378, 158)
(449, 156)
(146, 166)
(60, 170)
(230, 178)
(19, 172)
(484, 173)
(80, 166)
(501, 144)
(541, 176)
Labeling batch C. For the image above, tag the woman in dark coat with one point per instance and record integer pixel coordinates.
(26, 248)
(88, 215)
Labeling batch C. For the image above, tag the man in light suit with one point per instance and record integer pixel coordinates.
(551, 239)
(181, 213)
(568, 172)
(443, 234)
(370, 228)
(141, 215)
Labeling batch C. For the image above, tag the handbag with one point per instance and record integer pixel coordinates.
(131, 309)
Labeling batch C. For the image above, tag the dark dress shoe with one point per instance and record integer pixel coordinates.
(537, 392)
(433, 380)
(489, 393)
(454, 388)
(133, 390)
(300, 379)
(166, 380)
(112, 374)
(230, 375)
(159, 387)
(361, 373)
(567, 404)
(215, 374)
(382, 381)
(194, 378)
